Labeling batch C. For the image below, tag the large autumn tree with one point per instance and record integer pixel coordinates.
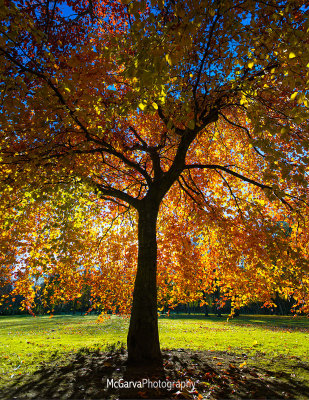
(190, 118)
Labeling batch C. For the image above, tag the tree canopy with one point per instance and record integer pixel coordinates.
(116, 112)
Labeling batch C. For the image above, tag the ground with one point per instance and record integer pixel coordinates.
(67, 357)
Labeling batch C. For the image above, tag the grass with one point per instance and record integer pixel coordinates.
(28, 341)
(273, 336)
(276, 342)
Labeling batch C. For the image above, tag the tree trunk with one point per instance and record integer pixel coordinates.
(143, 337)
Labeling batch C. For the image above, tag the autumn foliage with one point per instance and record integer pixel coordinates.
(110, 110)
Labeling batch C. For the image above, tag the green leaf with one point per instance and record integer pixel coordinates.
(191, 124)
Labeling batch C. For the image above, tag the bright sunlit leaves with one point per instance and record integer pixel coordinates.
(99, 114)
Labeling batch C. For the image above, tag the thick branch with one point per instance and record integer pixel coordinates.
(112, 192)
(131, 163)
(167, 121)
(179, 163)
(135, 133)
(152, 151)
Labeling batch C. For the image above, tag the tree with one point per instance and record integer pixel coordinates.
(191, 118)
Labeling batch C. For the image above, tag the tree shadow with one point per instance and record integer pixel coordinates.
(217, 375)
(264, 321)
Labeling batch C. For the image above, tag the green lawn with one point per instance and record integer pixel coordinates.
(28, 341)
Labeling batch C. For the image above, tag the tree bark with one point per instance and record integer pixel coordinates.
(143, 336)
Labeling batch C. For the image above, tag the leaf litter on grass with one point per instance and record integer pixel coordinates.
(213, 375)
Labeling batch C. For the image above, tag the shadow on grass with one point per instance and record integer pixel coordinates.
(285, 322)
(216, 375)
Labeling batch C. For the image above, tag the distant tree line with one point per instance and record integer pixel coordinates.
(11, 305)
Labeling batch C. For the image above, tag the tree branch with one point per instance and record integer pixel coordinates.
(229, 171)
(112, 192)
(167, 121)
(242, 177)
(245, 129)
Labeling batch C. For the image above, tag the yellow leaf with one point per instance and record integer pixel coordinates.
(142, 106)
(293, 97)
(251, 64)
(168, 59)
(292, 55)
(242, 364)
(155, 105)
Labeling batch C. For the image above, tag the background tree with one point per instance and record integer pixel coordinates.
(190, 118)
